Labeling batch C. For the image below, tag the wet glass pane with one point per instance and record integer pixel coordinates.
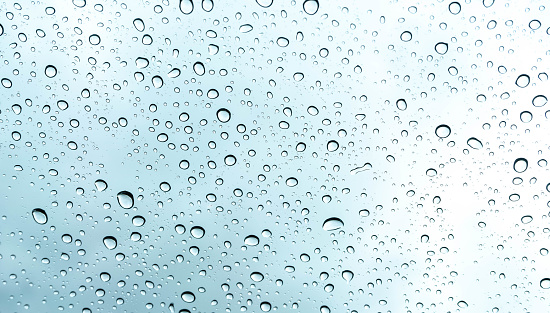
(274, 155)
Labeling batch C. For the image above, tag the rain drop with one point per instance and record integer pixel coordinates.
(40, 216)
(332, 223)
(125, 199)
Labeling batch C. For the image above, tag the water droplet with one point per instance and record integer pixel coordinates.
(175, 72)
(298, 76)
(50, 71)
(223, 115)
(199, 69)
(443, 131)
(157, 81)
(545, 283)
(300, 147)
(265, 3)
(523, 80)
(265, 306)
(207, 5)
(125, 199)
(282, 42)
(324, 309)
(406, 36)
(347, 275)
(311, 6)
(364, 212)
(291, 182)
(197, 232)
(94, 39)
(431, 172)
(332, 146)
(100, 185)
(332, 223)
(245, 28)
(539, 100)
(15, 135)
(105, 276)
(6, 83)
(139, 24)
(188, 297)
(164, 186)
(180, 229)
(138, 220)
(79, 3)
(257, 276)
(186, 6)
(401, 104)
(230, 160)
(474, 143)
(454, 8)
(534, 24)
(520, 165)
(526, 116)
(251, 240)
(323, 53)
(212, 94)
(110, 242)
(441, 48)
(462, 304)
(40, 216)
(526, 219)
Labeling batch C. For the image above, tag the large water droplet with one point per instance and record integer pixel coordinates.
(401, 104)
(311, 6)
(265, 306)
(539, 100)
(197, 232)
(139, 25)
(50, 71)
(347, 275)
(474, 143)
(188, 297)
(291, 182)
(265, 3)
(246, 28)
(257, 276)
(251, 240)
(207, 5)
(223, 115)
(441, 48)
(100, 185)
(332, 223)
(454, 8)
(40, 216)
(523, 80)
(545, 283)
(230, 160)
(406, 36)
(199, 69)
(157, 81)
(110, 242)
(443, 131)
(186, 6)
(332, 145)
(125, 199)
(520, 165)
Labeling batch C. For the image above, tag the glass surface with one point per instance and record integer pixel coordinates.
(274, 155)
